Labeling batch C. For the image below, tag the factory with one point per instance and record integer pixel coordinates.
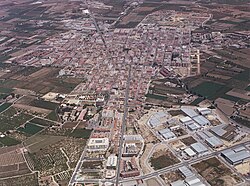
(214, 142)
(226, 132)
(157, 119)
(167, 134)
(236, 156)
(199, 148)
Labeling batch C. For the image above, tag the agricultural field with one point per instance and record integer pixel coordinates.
(4, 106)
(42, 122)
(33, 79)
(163, 158)
(30, 128)
(8, 141)
(12, 162)
(216, 173)
(27, 180)
(38, 142)
(11, 119)
(210, 90)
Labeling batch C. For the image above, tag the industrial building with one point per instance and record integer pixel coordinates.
(98, 144)
(226, 132)
(201, 120)
(199, 148)
(167, 134)
(190, 178)
(157, 119)
(236, 156)
(204, 111)
(190, 152)
(214, 142)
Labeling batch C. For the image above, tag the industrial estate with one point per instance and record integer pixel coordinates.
(124, 93)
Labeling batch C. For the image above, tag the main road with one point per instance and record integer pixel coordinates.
(123, 127)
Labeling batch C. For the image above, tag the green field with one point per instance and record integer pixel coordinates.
(210, 90)
(4, 106)
(81, 133)
(197, 101)
(10, 119)
(7, 141)
(41, 122)
(52, 116)
(2, 96)
(44, 104)
(30, 128)
(6, 90)
(243, 76)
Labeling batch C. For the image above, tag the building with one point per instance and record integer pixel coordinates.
(186, 172)
(193, 127)
(214, 142)
(204, 111)
(178, 183)
(111, 162)
(199, 148)
(226, 132)
(189, 152)
(189, 112)
(201, 120)
(167, 134)
(236, 156)
(157, 119)
(98, 144)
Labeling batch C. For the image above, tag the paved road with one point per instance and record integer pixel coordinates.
(176, 166)
(124, 122)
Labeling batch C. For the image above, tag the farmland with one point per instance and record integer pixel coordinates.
(4, 106)
(11, 118)
(30, 128)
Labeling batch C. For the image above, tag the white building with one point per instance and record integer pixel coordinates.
(98, 144)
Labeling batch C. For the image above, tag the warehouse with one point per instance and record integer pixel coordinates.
(227, 132)
(157, 119)
(193, 126)
(190, 112)
(214, 142)
(199, 148)
(204, 111)
(189, 152)
(186, 120)
(201, 120)
(236, 156)
(167, 134)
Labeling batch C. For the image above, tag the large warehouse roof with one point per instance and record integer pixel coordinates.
(190, 112)
(214, 141)
(199, 148)
(236, 155)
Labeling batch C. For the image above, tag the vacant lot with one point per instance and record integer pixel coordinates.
(216, 173)
(163, 158)
(188, 141)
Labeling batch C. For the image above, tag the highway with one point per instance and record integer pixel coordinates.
(123, 127)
